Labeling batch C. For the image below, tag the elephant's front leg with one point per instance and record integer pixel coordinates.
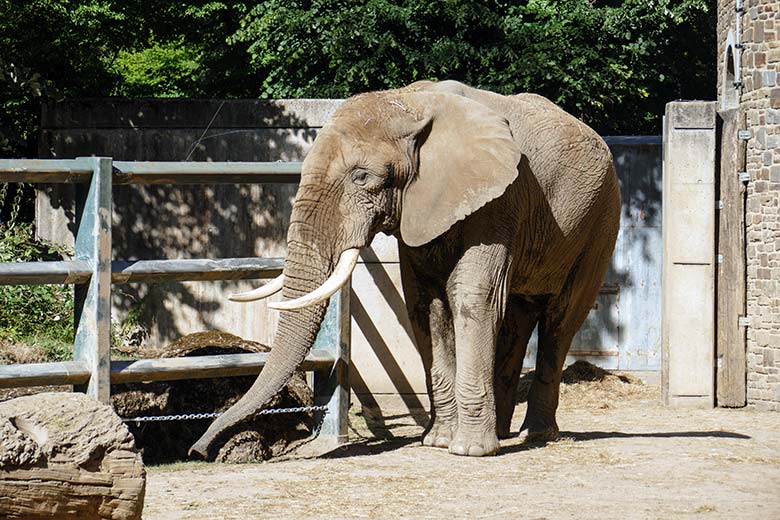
(444, 409)
(431, 322)
(477, 295)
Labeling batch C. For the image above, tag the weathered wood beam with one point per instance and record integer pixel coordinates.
(730, 349)
(141, 271)
(206, 172)
(150, 172)
(162, 369)
(37, 273)
(155, 271)
(39, 374)
(46, 170)
(224, 365)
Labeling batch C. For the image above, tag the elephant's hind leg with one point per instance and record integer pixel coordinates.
(519, 321)
(560, 321)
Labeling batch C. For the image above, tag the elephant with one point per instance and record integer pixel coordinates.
(506, 210)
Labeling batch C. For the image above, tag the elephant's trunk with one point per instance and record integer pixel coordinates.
(304, 271)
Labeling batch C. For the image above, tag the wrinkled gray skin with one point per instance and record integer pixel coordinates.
(506, 210)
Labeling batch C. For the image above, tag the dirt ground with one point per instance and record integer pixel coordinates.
(622, 455)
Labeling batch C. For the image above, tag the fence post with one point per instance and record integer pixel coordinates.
(331, 386)
(93, 299)
(689, 261)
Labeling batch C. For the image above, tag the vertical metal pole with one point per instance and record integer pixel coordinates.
(93, 299)
(331, 386)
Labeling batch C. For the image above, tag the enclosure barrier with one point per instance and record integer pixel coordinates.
(92, 272)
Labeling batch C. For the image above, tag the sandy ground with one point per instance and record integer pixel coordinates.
(622, 455)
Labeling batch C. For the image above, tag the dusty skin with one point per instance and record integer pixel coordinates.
(622, 455)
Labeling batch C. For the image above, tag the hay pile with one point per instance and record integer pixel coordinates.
(585, 385)
(13, 353)
(256, 440)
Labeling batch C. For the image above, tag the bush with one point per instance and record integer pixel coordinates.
(40, 316)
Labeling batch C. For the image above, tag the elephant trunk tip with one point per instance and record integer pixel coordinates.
(199, 450)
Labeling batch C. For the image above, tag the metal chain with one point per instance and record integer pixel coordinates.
(196, 416)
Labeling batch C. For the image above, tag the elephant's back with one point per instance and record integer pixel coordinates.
(571, 162)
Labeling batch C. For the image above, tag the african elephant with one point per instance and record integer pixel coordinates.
(506, 209)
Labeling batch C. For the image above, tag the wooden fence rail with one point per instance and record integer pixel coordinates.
(92, 271)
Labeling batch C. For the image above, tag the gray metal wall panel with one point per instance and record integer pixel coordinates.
(623, 331)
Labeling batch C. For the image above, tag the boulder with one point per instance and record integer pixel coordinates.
(65, 455)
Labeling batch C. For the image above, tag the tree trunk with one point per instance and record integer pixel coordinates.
(65, 455)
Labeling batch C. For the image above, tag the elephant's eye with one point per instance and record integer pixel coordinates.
(360, 177)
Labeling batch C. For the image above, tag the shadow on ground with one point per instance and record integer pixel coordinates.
(583, 386)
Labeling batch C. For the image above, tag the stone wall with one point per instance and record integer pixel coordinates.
(726, 22)
(760, 102)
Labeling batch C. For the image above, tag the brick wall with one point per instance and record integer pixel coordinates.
(760, 101)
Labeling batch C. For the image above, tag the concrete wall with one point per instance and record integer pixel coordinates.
(759, 99)
(623, 330)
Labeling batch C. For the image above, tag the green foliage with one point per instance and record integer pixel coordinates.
(40, 315)
(70, 48)
(614, 64)
(160, 70)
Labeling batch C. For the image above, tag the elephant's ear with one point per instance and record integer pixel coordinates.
(467, 158)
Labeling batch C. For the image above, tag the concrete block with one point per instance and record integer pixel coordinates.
(690, 330)
(690, 157)
(691, 114)
(688, 272)
(384, 356)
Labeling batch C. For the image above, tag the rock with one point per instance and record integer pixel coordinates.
(167, 441)
(65, 455)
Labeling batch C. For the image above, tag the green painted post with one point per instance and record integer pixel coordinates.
(331, 386)
(93, 298)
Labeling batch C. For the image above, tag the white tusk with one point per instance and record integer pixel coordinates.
(341, 274)
(272, 287)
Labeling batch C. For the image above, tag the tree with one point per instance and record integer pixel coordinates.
(612, 63)
(596, 59)
(71, 48)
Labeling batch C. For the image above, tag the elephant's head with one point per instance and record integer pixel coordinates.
(408, 162)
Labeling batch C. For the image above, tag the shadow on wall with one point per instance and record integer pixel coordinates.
(162, 221)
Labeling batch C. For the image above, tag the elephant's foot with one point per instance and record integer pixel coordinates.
(473, 444)
(503, 427)
(439, 436)
(538, 432)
